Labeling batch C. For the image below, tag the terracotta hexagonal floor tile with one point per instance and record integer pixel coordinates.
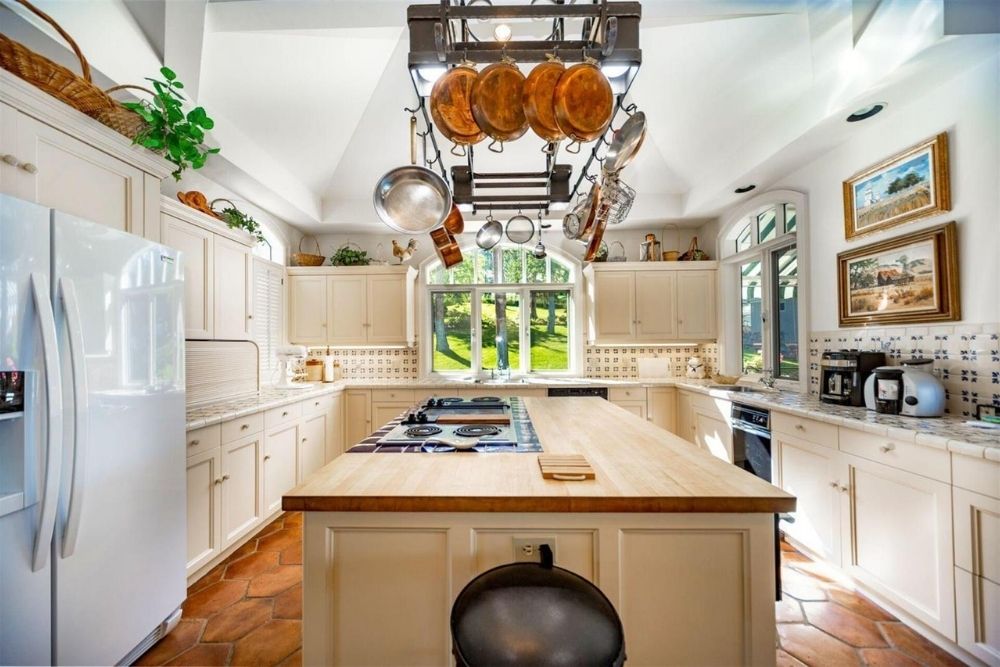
(821, 573)
(293, 519)
(204, 655)
(292, 555)
(294, 660)
(859, 604)
(814, 647)
(180, 639)
(887, 657)
(788, 610)
(271, 583)
(275, 525)
(289, 603)
(800, 586)
(918, 648)
(269, 644)
(280, 539)
(250, 566)
(244, 550)
(786, 660)
(845, 625)
(214, 598)
(209, 578)
(237, 620)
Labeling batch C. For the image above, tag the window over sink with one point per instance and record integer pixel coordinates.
(502, 312)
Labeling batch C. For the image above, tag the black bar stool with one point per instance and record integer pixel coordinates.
(535, 614)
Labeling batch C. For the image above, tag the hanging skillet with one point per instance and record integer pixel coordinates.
(490, 233)
(412, 199)
(625, 143)
(497, 103)
(584, 103)
(451, 107)
(539, 99)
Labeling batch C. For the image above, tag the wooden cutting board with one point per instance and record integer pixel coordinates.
(464, 418)
(565, 467)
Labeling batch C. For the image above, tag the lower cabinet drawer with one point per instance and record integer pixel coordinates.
(317, 404)
(926, 461)
(977, 602)
(202, 440)
(627, 393)
(817, 432)
(394, 395)
(242, 427)
(286, 414)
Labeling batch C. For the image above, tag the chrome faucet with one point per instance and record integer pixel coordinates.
(767, 378)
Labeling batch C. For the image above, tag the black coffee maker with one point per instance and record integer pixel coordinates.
(888, 390)
(843, 376)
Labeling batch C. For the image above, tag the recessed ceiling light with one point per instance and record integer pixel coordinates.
(866, 112)
(744, 189)
(502, 33)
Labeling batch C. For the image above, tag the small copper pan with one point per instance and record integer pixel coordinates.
(539, 99)
(451, 106)
(497, 103)
(584, 103)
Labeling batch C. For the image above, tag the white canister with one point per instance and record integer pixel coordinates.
(328, 375)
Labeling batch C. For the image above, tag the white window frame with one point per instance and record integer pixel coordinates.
(574, 322)
(730, 305)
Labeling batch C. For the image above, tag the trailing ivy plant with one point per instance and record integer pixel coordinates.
(179, 137)
(237, 219)
(348, 256)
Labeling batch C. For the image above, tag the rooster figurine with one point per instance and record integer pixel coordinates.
(402, 253)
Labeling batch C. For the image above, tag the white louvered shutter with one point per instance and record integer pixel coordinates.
(269, 309)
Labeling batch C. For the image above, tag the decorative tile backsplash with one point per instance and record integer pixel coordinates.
(374, 363)
(608, 361)
(966, 357)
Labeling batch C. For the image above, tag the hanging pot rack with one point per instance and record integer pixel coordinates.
(440, 36)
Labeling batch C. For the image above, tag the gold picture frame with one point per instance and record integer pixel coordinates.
(912, 184)
(907, 279)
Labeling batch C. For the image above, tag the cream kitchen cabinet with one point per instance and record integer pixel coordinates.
(281, 456)
(651, 302)
(83, 168)
(661, 407)
(370, 305)
(713, 431)
(218, 273)
(312, 443)
(897, 529)
(357, 416)
(684, 424)
(241, 498)
(204, 498)
(812, 473)
(632, 399)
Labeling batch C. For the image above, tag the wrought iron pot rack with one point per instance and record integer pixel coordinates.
(441, 36)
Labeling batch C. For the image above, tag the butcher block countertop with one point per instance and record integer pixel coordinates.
(639, 468)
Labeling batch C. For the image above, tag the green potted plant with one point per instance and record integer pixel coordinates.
(237, 219)
(169, 131)
(346, 255)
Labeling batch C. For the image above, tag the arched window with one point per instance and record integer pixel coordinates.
(273, 248)
(502, 312)
(763, 278)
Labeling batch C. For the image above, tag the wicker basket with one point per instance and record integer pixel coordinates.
(118, 118)
(77, 91)
(307, 259)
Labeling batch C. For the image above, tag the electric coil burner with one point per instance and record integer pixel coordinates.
(422, 431)
(477, 431)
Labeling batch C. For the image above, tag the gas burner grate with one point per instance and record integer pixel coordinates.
(485, 399)
(477, 431)
(450, 399)
(422, 431)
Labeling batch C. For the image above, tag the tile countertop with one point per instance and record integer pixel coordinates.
(948, 433)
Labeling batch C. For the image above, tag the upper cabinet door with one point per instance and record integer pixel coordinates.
(614, 306)
(11, 175)
(387, 309)
(70, 176)
(196, 244)
(346, 314)
(307, 310)
(695, 305)
(233, 274)
(655, 309)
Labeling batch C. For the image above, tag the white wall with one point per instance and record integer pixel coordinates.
(968, 108)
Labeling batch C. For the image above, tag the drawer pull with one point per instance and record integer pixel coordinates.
(225, 477)
(835, 485)
(887, 447)
(304, 439)
(193, 443)
(244, 427)
(267, 457)
(800, 427)
(284, 414)
(844, 489)
(10, 159)
(316, 403)
(218, 480)
(28, 167)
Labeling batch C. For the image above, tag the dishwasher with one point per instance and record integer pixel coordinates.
(752, 452)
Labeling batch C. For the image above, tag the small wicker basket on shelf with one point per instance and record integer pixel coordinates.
(307, 259)
(123, 121)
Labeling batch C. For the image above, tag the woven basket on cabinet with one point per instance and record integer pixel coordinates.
(307, 259)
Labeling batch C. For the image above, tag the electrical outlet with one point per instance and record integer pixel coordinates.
(526, 549)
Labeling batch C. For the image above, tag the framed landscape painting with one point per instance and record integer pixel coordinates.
(908, 279)
(910, 185)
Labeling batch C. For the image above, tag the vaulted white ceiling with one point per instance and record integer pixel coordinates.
(308, 96)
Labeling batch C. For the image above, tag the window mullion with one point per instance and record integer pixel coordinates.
(475, 349)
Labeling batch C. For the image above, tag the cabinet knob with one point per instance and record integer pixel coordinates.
(28, 167)
(193, 443)
(887, 447)
(800, 427)
(267, 457)
(10, 159)
(304, 439)
(218, 480)
(845, 489)
(225, 477)
(284, 414)
(249, 317)
(835, 485)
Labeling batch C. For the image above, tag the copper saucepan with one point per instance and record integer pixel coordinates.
(497, 103)
(451, 107)
(584, 103)
(539, 99)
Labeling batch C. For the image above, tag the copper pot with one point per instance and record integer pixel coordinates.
(497, 103)
(454, 223)
(539, 99)
(584, 103)
(451, 106)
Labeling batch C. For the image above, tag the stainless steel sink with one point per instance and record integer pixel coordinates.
(737, 388)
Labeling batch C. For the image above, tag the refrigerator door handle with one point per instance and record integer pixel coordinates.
(53, 418)
(74, 329)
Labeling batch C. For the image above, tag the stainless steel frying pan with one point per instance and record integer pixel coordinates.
(625, 143)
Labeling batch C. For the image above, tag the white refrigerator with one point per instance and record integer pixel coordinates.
(92, 482)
